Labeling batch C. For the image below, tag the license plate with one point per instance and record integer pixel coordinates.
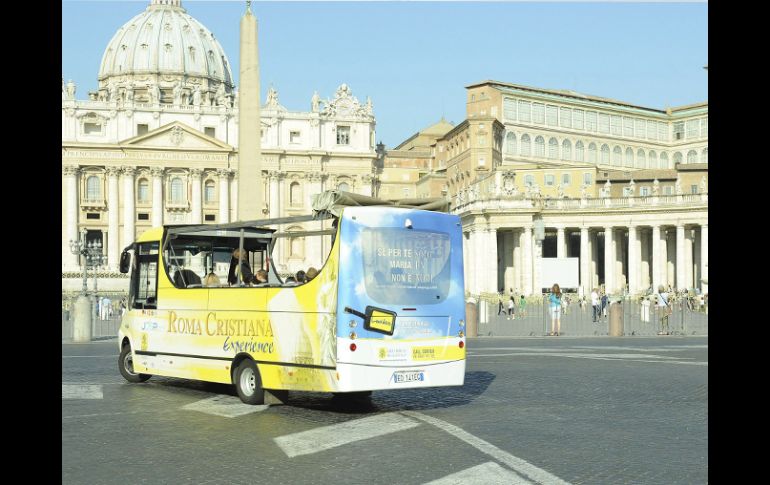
(402, 376)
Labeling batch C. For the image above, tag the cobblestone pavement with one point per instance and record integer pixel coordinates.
(631, 410)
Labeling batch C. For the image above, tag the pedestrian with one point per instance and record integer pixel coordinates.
(522, 307)
(605, 301)
(555, 300)
(500, 308)
(595, 304)
(511, 305)
(122, 307)
(664, 310)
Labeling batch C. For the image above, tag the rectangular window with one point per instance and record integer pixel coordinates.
(482, 141)
(577, 119)
(586, 178)
(565, 179)
(92, 128)
(616, 126)
(142, 129)
(549, 180)
(529, 180)
(482, 161)
(678, 130)
(693, 189)
(693, 127)
(565, 118)
(591, 120)
(668, 190)
(644, 191)
(509, 109)
(627, 192)
(604, 123)
(662, 131)
(406, 266)
(552, 115)
(143, 216)
(93, 215)
(652, 132)
(210, 217)
(525, 108)
(638, 128)
(294, 137)
(628, 126)
(538, 113)
(343, 135)
(704, 127)
(210, 131)
(143, 289)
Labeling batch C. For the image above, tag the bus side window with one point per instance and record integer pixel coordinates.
(144, 278)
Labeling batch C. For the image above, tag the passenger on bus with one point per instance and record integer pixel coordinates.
(290, 281)
(242, 273)
(311, 273)
(261, 277)
(211, 280)
(301, 277)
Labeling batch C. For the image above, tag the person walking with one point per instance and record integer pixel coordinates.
(511, 306)
(522, 307)
(664, 310)
(605, 301)
(500, 308)
(595, 304)
(555, 299)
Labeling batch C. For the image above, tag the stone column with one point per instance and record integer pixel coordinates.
(129, 214)
(644, 259)
(70, 175)
(249, 139)
(224, 195)
(492, 263)
(537, 255)
(234, 196)
(689, 257)
(527, 260)
(466, 260)
(480, 260)
(275, 194)
(657, 258)
(157, 196)
(197, 209)
(517, 285)
(609, 260)
(634, 261)
(594, 263)
(561, 247)
(585, 268)
(113, 218)
(681, 281)
(470, 282)
(704, 257)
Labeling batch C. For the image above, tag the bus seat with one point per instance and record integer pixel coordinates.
(184, 278)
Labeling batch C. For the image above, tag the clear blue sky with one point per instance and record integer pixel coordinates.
(415, 58)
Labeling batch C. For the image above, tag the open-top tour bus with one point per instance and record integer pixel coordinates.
(385, 311)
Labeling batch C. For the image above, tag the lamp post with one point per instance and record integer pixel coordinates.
(85, 310)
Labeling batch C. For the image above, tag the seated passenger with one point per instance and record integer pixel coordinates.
(240, 273)
(211, 280)
(261, 277)
(311, 273)
(301, 278)
(290, 281)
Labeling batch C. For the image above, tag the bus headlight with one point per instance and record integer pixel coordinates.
(461, 334)
(462, 322)
(353, 335)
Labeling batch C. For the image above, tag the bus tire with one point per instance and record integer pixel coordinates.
(126, 366)
(248, 383)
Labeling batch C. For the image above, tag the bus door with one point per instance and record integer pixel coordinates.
(401, 288)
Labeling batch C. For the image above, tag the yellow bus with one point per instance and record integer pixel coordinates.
(385, 311)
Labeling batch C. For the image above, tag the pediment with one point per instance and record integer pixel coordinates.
(176, 135)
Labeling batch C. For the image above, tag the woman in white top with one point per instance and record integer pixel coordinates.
(664, 310)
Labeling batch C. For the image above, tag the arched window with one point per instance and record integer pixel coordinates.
(592, 153)
(677, 158)
(143, 190)
(579, 151)
(526, 147)
(209, 191)
(704, 155)
(652, 161)
(692, 156)
(510, 144)
(343, 186)
(553, 148)
(566, 150)
(641, 159)
(295, 194)
(177, 190)
(605, 155)
(629, 157)
(617, 156)
(93, 188)
(663, 163)
(540, 147)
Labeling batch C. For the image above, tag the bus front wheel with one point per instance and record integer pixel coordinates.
(248, 383)
(126, 366)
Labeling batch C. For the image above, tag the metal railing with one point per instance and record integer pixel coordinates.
(101, 327)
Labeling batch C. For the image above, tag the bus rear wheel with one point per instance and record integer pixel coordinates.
(126, 366)
(248, 383)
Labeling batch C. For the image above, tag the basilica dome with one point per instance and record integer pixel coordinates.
(164, 46)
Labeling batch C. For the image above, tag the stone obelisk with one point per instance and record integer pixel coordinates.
(249, 138)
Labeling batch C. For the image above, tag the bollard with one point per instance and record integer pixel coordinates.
(471, 318)
(81, 323)
(616, 319)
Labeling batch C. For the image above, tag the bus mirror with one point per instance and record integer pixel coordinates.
(125, 261)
